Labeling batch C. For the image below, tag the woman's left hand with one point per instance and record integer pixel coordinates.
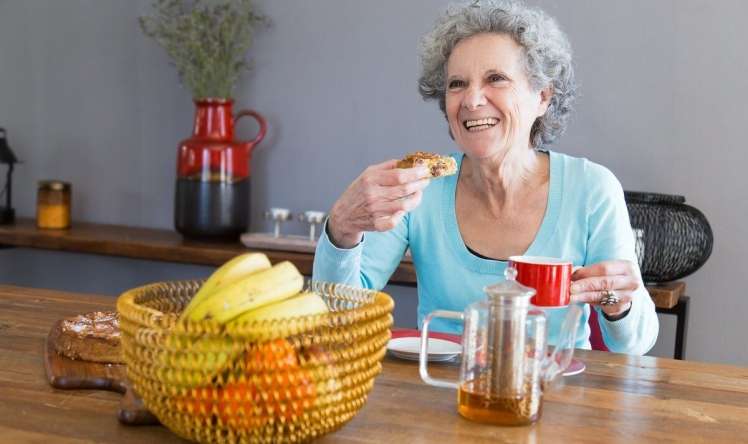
(607, 281)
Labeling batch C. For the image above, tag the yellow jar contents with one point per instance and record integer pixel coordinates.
(53, 205)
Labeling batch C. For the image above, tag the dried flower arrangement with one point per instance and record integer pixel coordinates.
(207, 41)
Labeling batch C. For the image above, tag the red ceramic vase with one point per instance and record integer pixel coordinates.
(212, 192)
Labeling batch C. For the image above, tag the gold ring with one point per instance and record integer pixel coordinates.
(609, 297)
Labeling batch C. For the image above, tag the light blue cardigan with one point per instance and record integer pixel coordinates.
(586, 221)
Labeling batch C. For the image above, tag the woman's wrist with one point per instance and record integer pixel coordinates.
(341, 238)
(617, 315)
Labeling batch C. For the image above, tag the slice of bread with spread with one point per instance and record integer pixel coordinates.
(438, 165)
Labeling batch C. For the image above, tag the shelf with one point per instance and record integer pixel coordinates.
(152, 244)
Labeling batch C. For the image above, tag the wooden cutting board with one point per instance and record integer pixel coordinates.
(66, 374)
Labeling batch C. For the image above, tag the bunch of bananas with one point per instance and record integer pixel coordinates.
(248, 288)
(244, 289)
(247, 385)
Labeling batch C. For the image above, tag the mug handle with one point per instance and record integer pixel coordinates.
(260, 121)
(574, 269)
(423, 361)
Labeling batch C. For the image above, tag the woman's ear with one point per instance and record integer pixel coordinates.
(546, 94)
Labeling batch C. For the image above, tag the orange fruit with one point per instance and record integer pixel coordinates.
(276, 388)
(198, 401)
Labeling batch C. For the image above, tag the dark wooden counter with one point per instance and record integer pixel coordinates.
(618, 398)
(153, 244)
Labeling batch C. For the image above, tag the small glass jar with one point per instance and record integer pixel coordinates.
(53, 205)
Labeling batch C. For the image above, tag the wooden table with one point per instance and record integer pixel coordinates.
(618, 398)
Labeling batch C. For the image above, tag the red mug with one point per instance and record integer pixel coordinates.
(550, 277)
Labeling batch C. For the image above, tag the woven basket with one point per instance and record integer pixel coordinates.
(673, 239)
(290, 380)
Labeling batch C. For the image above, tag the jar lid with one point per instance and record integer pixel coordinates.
(509, 291)
(54, 185)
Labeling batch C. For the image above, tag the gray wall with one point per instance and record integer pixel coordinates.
(88, 99)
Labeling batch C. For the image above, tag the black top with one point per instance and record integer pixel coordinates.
(481, 256)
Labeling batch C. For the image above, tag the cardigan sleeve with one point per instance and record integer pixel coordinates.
(368, 265)
(610, 237)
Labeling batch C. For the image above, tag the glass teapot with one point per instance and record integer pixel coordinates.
(505, 366)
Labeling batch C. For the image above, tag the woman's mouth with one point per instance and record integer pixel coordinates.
(480, 124)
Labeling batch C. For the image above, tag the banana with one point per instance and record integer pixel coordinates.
(206, 357)
(228, 273)
(303, 304)
(200, 360)
(265, 287)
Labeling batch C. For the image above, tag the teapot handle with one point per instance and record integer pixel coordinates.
(560, 359)
(423, 361)
(260, 121)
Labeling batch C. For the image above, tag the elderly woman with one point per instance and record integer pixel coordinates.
(503, 77)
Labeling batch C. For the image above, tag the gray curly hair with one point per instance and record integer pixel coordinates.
(547, 55)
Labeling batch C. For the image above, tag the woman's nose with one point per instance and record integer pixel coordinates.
(474, 98)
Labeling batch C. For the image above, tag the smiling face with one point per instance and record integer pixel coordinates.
(490, 105)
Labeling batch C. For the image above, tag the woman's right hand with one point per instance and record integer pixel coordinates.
(376, 201)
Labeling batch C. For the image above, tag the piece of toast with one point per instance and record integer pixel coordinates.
(438, 165)
(91, 336)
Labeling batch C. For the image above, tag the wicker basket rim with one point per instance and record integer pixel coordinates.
(155, 320)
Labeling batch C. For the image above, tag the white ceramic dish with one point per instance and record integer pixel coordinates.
(576, 367)
(409, 348)
(441, 350)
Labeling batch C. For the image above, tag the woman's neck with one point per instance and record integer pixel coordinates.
(504, 180)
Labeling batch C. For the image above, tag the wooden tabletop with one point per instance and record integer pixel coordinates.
(618, 398)
(153, 244)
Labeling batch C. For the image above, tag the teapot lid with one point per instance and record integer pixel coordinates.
(509, 291)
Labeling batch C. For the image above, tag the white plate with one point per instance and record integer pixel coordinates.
(575, 367)
(410, 347)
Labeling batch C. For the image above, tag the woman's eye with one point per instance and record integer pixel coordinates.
(456, 84)
(493, 78)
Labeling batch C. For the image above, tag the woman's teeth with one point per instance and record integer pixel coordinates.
(480, 124)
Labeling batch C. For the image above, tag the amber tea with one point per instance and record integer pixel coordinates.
(478, 406)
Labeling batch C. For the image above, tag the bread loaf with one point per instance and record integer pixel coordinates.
(91, 336)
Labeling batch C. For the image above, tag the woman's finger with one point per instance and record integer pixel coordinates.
(406, 189)
(604, 268)
(388, 208)
(388, 222)
(373, 175)
(399, 176)
(595, 297)
(364, 214)
(601, 283)
(386, 165)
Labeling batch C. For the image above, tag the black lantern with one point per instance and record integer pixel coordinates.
(7, 213)
(673, 239)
